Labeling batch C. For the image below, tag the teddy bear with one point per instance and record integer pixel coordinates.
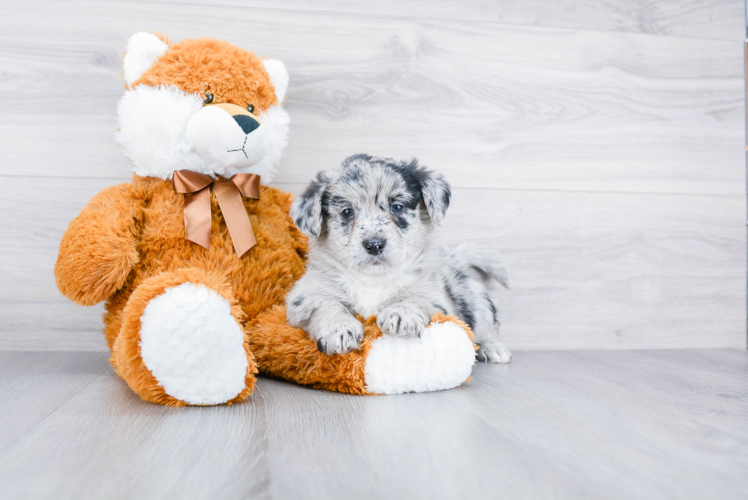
(195, 255)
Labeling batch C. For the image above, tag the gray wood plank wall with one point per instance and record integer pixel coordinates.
(599, 145)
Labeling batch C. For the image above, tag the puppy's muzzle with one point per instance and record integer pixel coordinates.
(374, 246)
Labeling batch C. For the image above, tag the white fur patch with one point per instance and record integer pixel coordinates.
(193, 346)
(152, 124)
(216, 135)
(442, 358)
(276, 122)
(278, 77)
(142, 51)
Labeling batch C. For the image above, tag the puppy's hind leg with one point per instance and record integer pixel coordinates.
(491, 348)
(478, 310)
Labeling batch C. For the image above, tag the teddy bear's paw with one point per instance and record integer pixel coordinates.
(193, 345)
(442, 358)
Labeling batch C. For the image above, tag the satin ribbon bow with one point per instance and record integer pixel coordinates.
(197, 217)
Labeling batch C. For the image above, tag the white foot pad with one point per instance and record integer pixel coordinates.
(193, 345)
(441, 359)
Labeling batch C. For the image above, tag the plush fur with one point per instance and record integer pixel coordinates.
(167, 87)
(125, 327)
(176, 313)
(143, 49)
(132, 233)
(193, 345)
(203, 65)
(441, 358)
(153, 133)
(287, 352)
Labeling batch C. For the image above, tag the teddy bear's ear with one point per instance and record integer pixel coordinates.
(278, 77)
(142, 51)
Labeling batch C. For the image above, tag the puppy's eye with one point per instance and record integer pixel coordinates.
(208, 98)
(347, 213)
(396, 209)
(250, 108)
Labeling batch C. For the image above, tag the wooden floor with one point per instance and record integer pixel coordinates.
(585, 424)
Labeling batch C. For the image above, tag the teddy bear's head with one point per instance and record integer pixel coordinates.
(202, 105)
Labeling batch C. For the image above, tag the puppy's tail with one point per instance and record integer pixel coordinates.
(462, 257)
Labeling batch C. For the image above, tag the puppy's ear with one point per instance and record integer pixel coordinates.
(436, 194)
(306, 210)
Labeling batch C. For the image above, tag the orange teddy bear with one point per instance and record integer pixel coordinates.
(195, 255)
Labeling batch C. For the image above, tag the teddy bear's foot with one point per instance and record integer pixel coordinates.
(193, 346)
(441, 358)
(182, 342)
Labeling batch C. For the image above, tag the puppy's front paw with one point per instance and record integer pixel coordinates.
(344, 335)
(493, 351)
(400, 320)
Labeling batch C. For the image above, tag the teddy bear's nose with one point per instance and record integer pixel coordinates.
(247, 123)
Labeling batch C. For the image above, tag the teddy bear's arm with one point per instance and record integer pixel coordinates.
(99, 248)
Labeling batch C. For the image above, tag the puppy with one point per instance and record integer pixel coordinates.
(370, 224)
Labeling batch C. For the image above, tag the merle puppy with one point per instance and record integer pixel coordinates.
(370, 224)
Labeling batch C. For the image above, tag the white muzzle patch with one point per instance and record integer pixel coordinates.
(225, 139)
(163, 129)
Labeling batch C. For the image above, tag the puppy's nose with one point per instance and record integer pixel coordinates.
(375, 246)
(247, 123)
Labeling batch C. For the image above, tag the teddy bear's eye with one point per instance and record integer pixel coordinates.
(250, 108)
(208, 98)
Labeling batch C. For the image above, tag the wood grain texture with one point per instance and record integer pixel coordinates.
(30, 374)
(492, 106)
(42, 325)
(722, 19)
(617, 425)
(607, 165)
(590, 270)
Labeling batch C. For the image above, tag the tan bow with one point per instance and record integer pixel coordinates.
(197, 217)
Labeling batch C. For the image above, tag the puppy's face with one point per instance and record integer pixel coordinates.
(372, 214)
